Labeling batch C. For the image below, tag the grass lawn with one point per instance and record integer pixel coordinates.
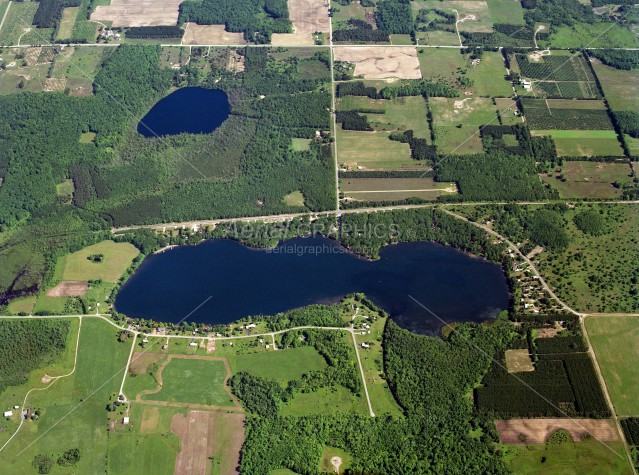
(480, 10)
(117, 257)
(437, 38)
(282, 365)
(343, 13)
(22, 305)
(578, 458)
(65, 29)
(589, 179)
(73, 408)
(193, 381)
(633, 144)
(620, 87)
(614, 340)
(403, 113)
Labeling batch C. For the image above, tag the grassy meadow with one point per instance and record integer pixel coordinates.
(614, 340)
(281, 365)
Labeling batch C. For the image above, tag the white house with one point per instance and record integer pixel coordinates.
(8, 413)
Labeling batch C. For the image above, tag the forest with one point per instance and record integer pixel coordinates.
(430, 378)
(27, 345)
(257, 19)
(245, 167)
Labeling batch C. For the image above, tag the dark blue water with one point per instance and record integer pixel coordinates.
(244, 281)
(192, 110)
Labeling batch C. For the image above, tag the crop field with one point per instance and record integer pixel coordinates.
(195, 34)
(436, 38)
(282, 365)
(456, 123)
(621, 87)
(588, 457)
(614, 340)
(67, 23)
(445, 64)
(389, 189)
(546, 114)
(379, 62)
(116, 258)
(138, 12)
(589, 179)
(308, 16)
(73, 409)
(537, 431)
(198, 381)
(596, 272)
(584, 143)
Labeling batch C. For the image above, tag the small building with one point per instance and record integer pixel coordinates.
(193, 343)
(165, 346)
(365, 345)
(268, 346)
(125, 421)
(8, 413)
(16, 407)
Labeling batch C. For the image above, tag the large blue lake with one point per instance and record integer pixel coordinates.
(192, 110)
(243, 281)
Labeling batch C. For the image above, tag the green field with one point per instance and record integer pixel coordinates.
(139, 454)
(488, 76)
(117, 257)
(506, 11)
(480, 10)
(596, 35)
(584, 143)
(374, 151)
(620, 87)
(457, 121)
(614, 340)
(73, 411)
(589, 179)
(282, 365)
(67, 23)
(325, 401)
(572, 458)
(193, 381)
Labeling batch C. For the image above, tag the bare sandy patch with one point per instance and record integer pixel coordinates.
(46, 379)
(210, 346)
(537, 431)
(292, 39)
(336, 462)
(309, 16)
(210, 35)
(381, 62)
(518, 361)
(139, 12)
(69, 288)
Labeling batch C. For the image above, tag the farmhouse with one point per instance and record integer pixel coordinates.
(8, 413)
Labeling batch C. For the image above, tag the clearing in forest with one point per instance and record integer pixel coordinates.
(537, 431)
(381, 62)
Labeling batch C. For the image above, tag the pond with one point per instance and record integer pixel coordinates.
(242, 281)
(192, 110)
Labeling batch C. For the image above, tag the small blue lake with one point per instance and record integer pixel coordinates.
(192, 110)
(241, 281)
